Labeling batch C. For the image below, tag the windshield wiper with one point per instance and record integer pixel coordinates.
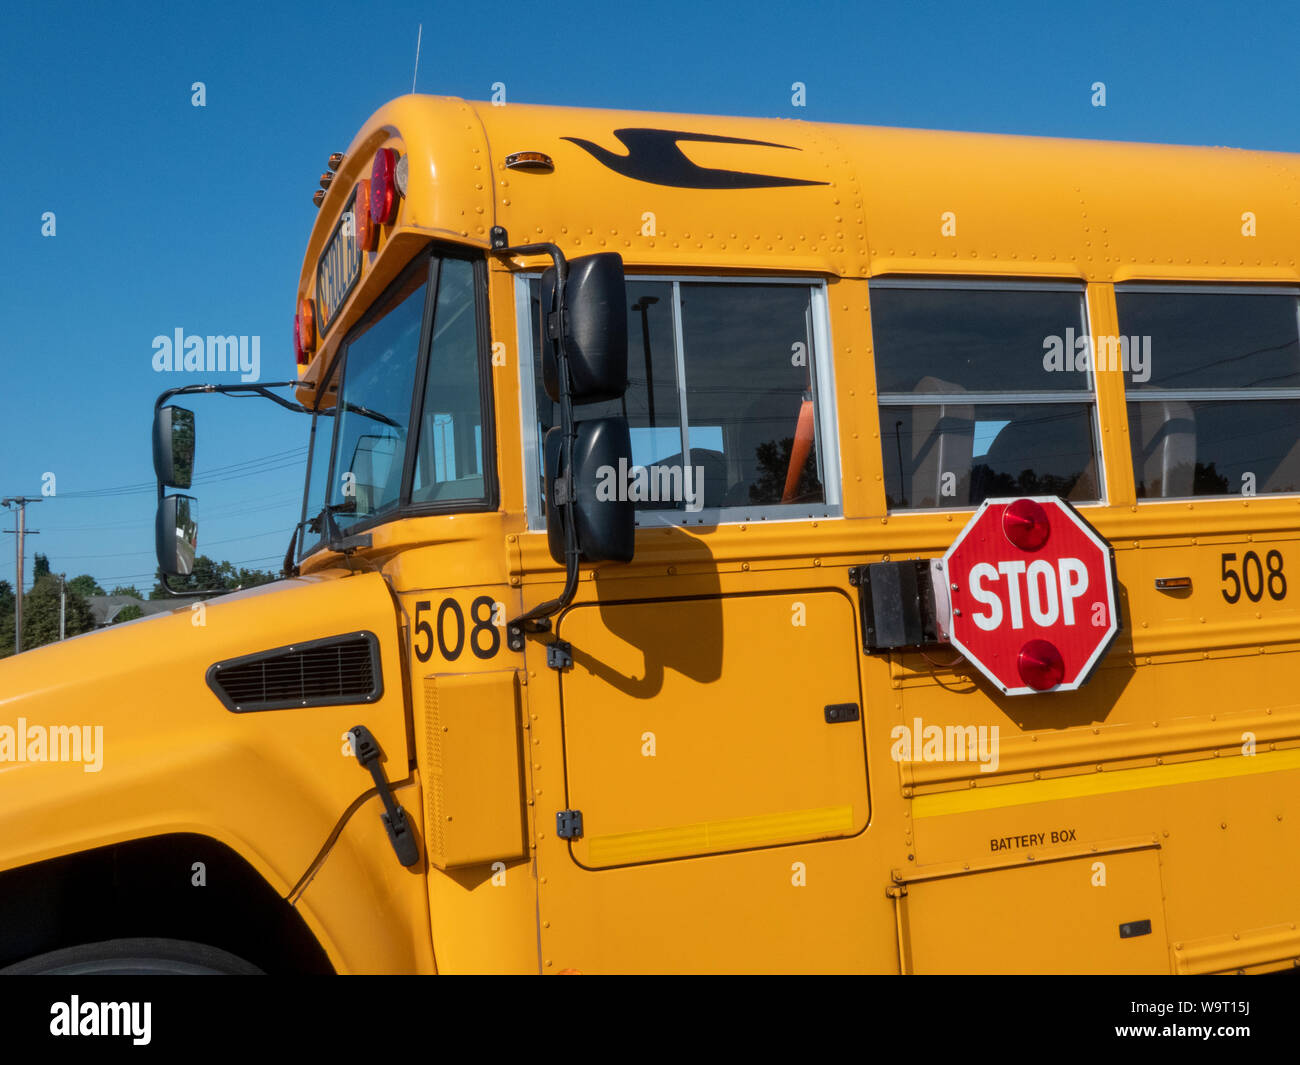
(384, 419)
(290, 568)
(335, 539)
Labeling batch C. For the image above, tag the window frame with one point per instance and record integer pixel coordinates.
(430, 259)
(1062, 396)
(825, 423)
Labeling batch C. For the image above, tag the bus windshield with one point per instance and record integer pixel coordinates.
(357, 467)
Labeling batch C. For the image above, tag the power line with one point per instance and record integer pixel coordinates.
(136, 554)
(264, 464)
(213, 515)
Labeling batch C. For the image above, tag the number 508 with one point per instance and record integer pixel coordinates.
(1255, 577)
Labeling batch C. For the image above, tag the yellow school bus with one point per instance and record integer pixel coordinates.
(587, 657)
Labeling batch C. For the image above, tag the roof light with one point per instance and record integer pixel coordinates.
(1025, 524)
(336, 160)
(530, 161)
(383, 188)
(318, 197)
(367, 233)
(1041, 665)
(325, 180)
(306, 319)
(298, 353)
(399, 175)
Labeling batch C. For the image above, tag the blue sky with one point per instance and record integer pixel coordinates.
(169, 215)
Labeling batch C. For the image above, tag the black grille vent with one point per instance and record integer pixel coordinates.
(330, 672)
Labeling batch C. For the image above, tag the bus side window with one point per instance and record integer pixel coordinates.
(738, 359)
(1212, 377)
(980, 392)
(749, 367)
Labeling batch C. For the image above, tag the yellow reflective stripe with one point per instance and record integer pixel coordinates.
(1158, 776)
(712, 836)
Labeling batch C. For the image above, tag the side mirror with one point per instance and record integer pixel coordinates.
(173, 446)
(176, 535)
(595, 329)
(606, 525)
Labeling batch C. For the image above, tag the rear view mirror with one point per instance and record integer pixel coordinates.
(595, 329)
(173, 446)
(176, 534)
(606, 525)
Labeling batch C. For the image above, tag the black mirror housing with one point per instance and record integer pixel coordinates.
(606, 527)
(595, 318)
(176, 535)
(173, 446)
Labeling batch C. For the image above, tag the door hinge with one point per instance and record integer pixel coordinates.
(559, 654)
(394, 819)
(568, 824)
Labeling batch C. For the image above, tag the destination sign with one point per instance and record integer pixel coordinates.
(337, 271)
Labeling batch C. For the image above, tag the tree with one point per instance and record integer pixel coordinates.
(128, 613)
(85, 585)
(128, 589)
(773, 460)
(41, 613)
(6, 619)
(40, 568)
(210, 574)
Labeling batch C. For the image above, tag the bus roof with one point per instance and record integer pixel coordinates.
(707, 193)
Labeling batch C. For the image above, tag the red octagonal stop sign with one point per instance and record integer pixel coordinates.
(1034, 600)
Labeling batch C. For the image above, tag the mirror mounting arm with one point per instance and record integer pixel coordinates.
(538, 619)
(240, 391)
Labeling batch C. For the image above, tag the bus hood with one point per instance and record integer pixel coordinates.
(116, 734)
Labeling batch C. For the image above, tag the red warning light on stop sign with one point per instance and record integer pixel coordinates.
(1034, 601)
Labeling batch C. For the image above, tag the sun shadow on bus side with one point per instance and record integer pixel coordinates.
(630, 642)
(1090, 704)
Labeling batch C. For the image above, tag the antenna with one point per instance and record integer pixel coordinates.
(419, 34)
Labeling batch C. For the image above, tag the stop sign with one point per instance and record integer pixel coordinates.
(1033, 595)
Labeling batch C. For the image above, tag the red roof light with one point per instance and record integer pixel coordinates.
(383, 188)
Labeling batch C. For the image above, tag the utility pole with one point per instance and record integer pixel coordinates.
(63, 605)
(20, 502)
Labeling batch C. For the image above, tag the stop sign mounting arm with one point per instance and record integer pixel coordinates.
(902, 605)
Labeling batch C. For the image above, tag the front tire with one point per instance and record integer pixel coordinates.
(135, 957)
